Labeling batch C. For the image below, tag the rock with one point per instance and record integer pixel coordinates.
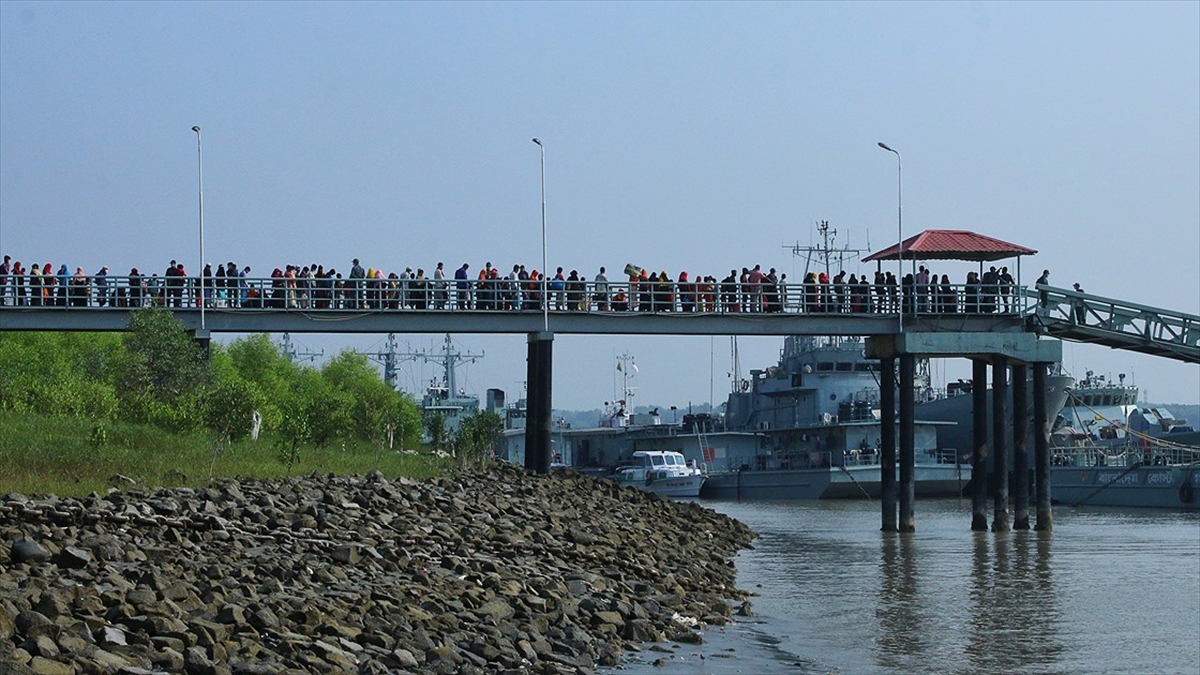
(347, 554)
(484, 571)
(45, 666)
(110, 636)
(745, 609)
(73, 557)
(25, 550)
(405, 658)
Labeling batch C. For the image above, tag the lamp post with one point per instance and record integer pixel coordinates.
(541, 357)
(899, 230)
(200, 182)
(545, 271)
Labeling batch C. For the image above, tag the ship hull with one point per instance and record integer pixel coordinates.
(959, 438)
(1162, 487)
(940, 480)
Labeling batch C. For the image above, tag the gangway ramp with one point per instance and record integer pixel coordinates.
(1081, 317)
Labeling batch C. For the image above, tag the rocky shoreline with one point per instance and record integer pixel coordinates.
(485, 571)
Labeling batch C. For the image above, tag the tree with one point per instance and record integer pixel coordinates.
(271, 374)
(476, 435)
(162, 371)
(58, 374)
(374, 407)
(435, 430)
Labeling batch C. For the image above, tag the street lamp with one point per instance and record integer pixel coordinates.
(545, 271)
(200, 181)
(899, 231)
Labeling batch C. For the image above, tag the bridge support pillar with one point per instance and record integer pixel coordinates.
(1000, 517)
(1041, 449)
(1020, 402)
(887, 452)
(979, 456)
(538, 404)
(204, 339)
(907, 442)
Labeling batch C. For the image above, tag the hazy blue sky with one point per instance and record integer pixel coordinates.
(696, 137)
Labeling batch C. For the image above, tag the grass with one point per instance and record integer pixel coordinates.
(67, 456)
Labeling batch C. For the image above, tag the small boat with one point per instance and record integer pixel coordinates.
(663, 473)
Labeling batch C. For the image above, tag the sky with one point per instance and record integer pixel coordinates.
(678, 136)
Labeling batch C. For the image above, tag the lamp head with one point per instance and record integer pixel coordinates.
(196, 129)
(885, 147)
(538, 141)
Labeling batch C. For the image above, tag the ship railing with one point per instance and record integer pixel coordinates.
(1151, 453)
(860, 457)
(429, 295)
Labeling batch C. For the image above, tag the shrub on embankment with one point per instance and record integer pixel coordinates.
(73, 456)
(484, 571)
(155, 374)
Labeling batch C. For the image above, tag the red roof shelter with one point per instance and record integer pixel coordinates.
(952, 245)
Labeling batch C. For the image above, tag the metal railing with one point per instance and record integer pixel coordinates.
(1084, 317)
(1147, 454)
(502, 295)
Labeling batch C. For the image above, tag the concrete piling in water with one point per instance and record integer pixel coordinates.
(887, 453)
(979, 459)
(907, 443)
(1041, 449)
(1020, 402)
(1000, 517)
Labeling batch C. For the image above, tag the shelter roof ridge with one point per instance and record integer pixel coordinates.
(952, 245)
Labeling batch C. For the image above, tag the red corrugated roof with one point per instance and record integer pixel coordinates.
(952, 245)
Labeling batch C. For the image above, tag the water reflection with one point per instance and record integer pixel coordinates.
(902, 633)
(1013, 605)
(1107, 592)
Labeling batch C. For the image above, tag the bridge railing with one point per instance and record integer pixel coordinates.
(428, 295)
(1060, 311)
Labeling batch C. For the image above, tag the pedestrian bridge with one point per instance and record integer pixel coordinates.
(1081, 317)
(616, 308)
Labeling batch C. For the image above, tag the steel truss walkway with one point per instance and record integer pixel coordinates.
(1080, 317)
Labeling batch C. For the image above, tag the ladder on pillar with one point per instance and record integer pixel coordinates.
(702, 437)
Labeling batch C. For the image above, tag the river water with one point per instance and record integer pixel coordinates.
(1107, 592)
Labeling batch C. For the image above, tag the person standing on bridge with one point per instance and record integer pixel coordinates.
(135, 288)
(5, 271)
(101, 281)
(18, 284)
(601, 291)
(949, 301)
(1043, 294)
(1080, 307)
(357, 274)
(439, 286)
(462, 290)
(1006, 289)
(922, 284)
(243, 286)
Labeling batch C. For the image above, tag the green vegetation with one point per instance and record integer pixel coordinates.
(78, 409)
(56, 455)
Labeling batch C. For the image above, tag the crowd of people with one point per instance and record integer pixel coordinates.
(313, 287)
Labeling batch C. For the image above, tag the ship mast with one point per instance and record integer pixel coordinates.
(449, 358)
(387, 359)
(293, 354)
(825, 254)
(628, 369)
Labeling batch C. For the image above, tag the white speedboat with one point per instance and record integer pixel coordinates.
(663, 473)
